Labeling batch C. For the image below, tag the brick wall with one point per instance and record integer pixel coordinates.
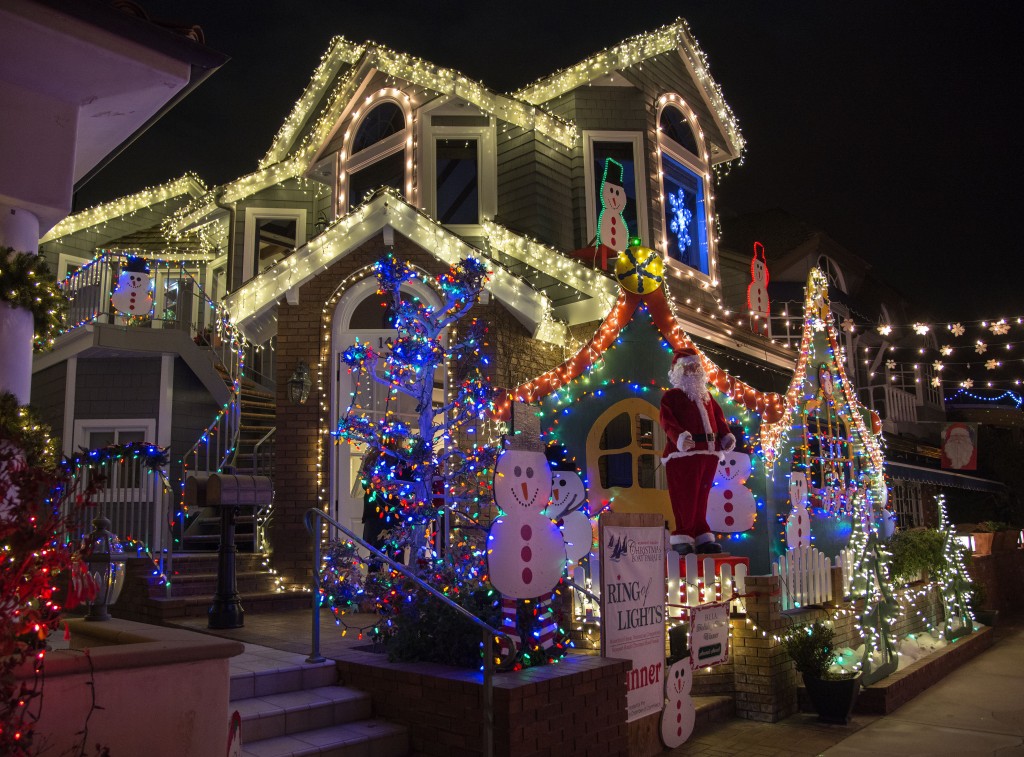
(577, 707)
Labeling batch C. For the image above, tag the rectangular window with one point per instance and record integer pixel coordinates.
(621, 152)
(685, 226)
(275, 239)
(387, 172)
(458, 192)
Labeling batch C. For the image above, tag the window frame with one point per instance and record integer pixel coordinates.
(636, 139)
(699, 165)
(486, 173)
(401, 141)
(255, 214)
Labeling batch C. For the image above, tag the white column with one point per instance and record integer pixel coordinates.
(19, 230)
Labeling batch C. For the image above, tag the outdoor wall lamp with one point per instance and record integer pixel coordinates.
(299, 384)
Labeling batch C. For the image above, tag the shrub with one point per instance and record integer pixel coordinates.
(811, 648)
(913, 551)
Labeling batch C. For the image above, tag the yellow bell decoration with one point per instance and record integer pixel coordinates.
(639, 269)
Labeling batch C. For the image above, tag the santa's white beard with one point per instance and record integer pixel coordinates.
(694, 385)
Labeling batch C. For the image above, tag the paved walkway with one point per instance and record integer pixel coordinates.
(976, 710)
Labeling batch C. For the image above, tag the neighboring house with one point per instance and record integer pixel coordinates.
(889, 374)
(385, 151)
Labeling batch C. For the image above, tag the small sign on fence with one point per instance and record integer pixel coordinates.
(709, 634)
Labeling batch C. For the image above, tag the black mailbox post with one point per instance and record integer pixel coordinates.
(229, 492)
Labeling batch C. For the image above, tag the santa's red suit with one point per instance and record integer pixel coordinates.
(697, 434)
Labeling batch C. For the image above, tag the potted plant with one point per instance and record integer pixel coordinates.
(833, 695)
(916, 554)
(984, 535)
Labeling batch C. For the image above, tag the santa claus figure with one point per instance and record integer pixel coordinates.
(697, 435)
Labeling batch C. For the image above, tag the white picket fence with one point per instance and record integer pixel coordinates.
(805, 575)
(696, 589)
(845, 560)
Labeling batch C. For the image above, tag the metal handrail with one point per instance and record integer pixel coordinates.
(489, 633)
(256, 453)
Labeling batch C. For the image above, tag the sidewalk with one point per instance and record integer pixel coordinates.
(976, 710)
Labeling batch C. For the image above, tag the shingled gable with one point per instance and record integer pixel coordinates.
(254, 301)
(719, 123)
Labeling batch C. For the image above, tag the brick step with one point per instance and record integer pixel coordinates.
(377, 737)
(205, 584)
(281, 714)
(204, 562)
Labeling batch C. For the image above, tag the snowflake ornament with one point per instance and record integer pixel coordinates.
(818, 324)
(967, 383)
(921, 328)
(890, 364)
(937, 365)
(957, 329)
(991, 364)
(980, 347)
(885, 330)
(999, 328)
(936, 382)
(681, 217)
(848, 325)
(946, 350)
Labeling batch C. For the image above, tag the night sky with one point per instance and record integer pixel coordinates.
(885, 124)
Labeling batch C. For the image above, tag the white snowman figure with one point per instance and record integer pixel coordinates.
(731, 506)
(569, 512)
(131, 293)
(757, 291)
(798, 524)
(612, 230)
(525, 552)
(680, 713)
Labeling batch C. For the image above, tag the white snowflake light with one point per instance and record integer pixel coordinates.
(681, 217)
(967, 383)
(848, 325)
(890, 364)
(921, 328)
(992, 364)
(957, 329)
(946, 350)
(999, 327)
(937, 365)
(936, 381)
(980, 347)
(885, 330)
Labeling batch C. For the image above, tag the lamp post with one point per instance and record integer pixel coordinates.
(104, 555)
(299, 384)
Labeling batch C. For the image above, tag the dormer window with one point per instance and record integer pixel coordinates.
(379, 150)
(685, 189)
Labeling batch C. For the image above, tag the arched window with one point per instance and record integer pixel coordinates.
(379, 150)
(684, 188)
(833, 273)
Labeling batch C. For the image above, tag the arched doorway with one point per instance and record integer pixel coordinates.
(361, 314)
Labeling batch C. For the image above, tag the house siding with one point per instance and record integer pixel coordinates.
(49, 387)
(194, 410)
(123, 388)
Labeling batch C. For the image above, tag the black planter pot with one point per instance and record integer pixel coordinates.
(833, 699)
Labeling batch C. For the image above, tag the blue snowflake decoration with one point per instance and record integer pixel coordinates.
(681, 217)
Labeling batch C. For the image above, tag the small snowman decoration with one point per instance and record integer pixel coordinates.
(525, 552)
(568, 509)
(798, 525)
(680, 713)
(731, 506)
(131, 293)
(612, 230)
(757, 291)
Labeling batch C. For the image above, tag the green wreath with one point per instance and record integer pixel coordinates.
(26, 282)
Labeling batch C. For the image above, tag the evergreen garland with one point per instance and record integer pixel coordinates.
(26, 282)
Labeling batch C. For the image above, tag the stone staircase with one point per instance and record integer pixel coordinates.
(290, 708)
(257, 419)
(193, 585)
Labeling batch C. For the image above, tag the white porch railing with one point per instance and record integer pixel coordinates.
(696, 584)
(136, 499)
(892, 405)
(806, 577)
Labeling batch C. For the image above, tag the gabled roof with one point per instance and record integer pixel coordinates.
(674, 36)
(346, 65)
(387, 209)
(189, 184)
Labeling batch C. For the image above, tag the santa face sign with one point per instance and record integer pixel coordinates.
(522, 481)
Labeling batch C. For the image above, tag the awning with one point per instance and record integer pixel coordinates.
(908, 472)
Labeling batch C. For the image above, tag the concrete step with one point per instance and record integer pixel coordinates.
(205, 584)
(377, 737)
(291, 712)
(290, 707)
